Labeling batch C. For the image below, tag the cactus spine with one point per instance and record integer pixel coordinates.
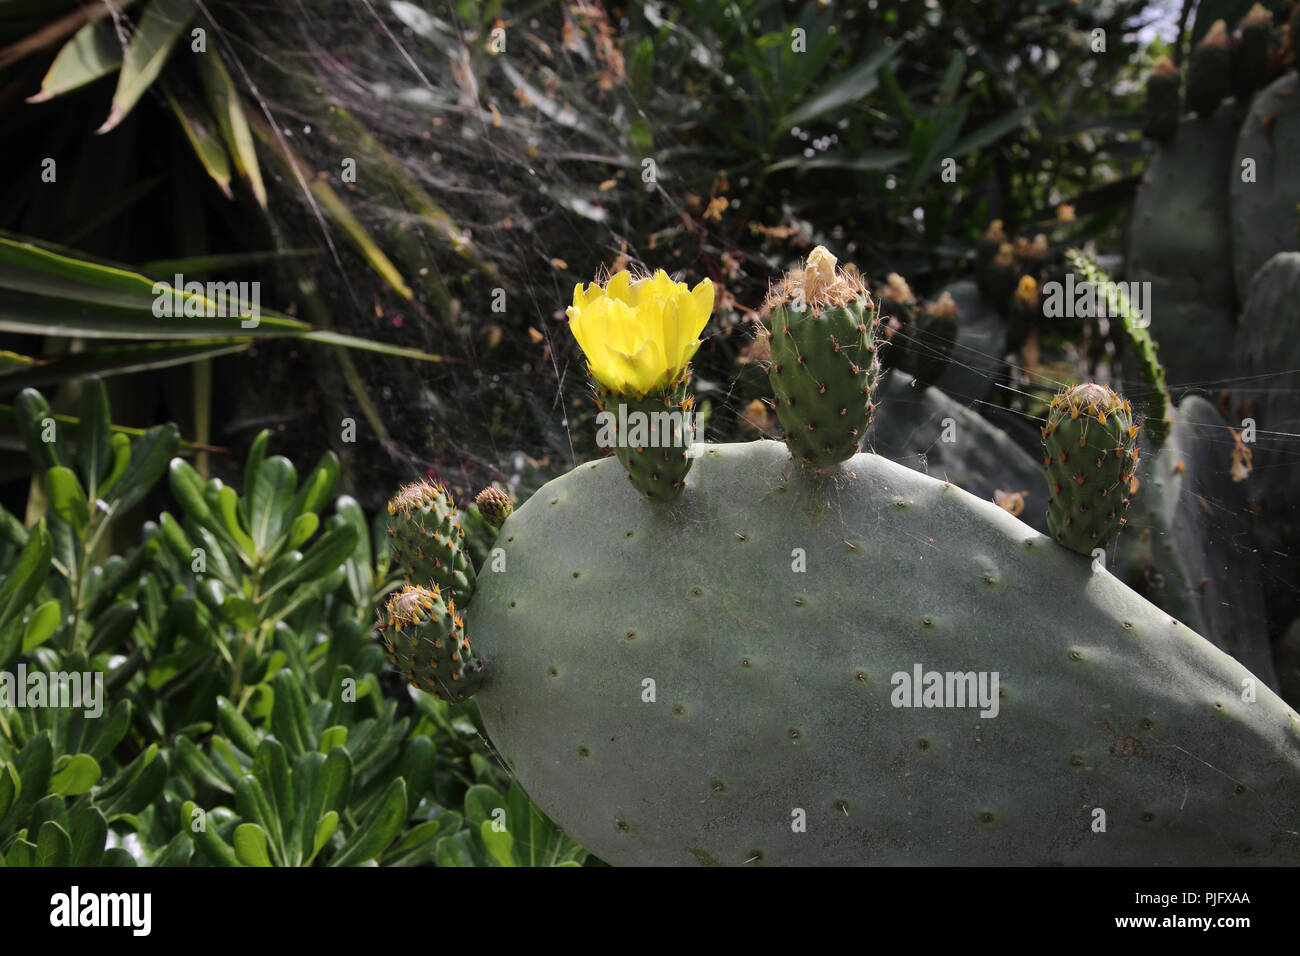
(1091, 446)
(824, 365)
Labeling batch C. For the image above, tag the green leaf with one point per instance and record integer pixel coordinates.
(112, 627)
(360, 576)
(303, 527)
(457, 850)
(228, 505)
(10, 786)
(202, 133)
(379, 830)
(236, 727)
(250, 845)
(37, 425)
(415, 837)
(93, 53)
(329, 551)
(289, 720)
(223, 100)
(120, 451)
(161, 25)
(324, 830)
(315, 492)
(149, 456)
(849, 87)
(53, 847)
(27, 575)
(67, 498)
(991, 132)
(256, 455)
(215, 849)
(41, 625)
(89, 830)
(77, 776)
(499, 844)
(34, 765)
(93, 452)
(268, 500)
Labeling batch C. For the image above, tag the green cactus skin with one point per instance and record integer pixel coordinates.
(1264, 214)
(428, 541)
(1267, 359)
(909, 428)
(1179, 226)
(1174, 546)
(1164, 104)
(1091, 453)
(494, 505)
(658, 469)
(425, 639)
(1209, 73)
(823, 372)
(772, 693)
(1139, 344)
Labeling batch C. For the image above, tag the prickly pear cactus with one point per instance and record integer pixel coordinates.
(1264, 214)
(1209, 73)
(1183, 542)
(671, 689)
(898, 320)
(1268, 357)
(654, 448)
(824, 365)
(936, 333)
(1091, 449)
(1164, 102)
(1178, 229)
(425, 640)
(1250, 60)
(494, 505)
(428, 541)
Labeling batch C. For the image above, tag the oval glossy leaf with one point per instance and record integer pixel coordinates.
(53, 846)
(268, 500)
(250, 845)
(93, 452)
(41, 625)
(77, 776)
(68, 499)
(379, 829)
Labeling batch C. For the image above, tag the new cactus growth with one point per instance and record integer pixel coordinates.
(1164, 100)
(1209, 74)
(1158, 419)
(639, 337)
(425, 639)
(936, 333)
(1023, 312)
(1091, 453)
(824, 365)
(898, 308)
(1250, 61)
(428, 540)
(494, 505)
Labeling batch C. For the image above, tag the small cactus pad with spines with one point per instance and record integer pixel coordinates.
(1091, 454)
(1164, 100)
(1209, 74)
(653, 447)
(494, 505)
(428, 541)
(824, 366)
(425, 639)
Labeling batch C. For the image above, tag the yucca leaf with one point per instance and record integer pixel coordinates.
(93, 53)
(160, 27)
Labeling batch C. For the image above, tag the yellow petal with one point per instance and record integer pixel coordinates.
(617, 287)
(702, 295)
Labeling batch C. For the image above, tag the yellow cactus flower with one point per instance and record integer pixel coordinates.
(640, 335)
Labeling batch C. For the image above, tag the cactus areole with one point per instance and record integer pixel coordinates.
(869, 666)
